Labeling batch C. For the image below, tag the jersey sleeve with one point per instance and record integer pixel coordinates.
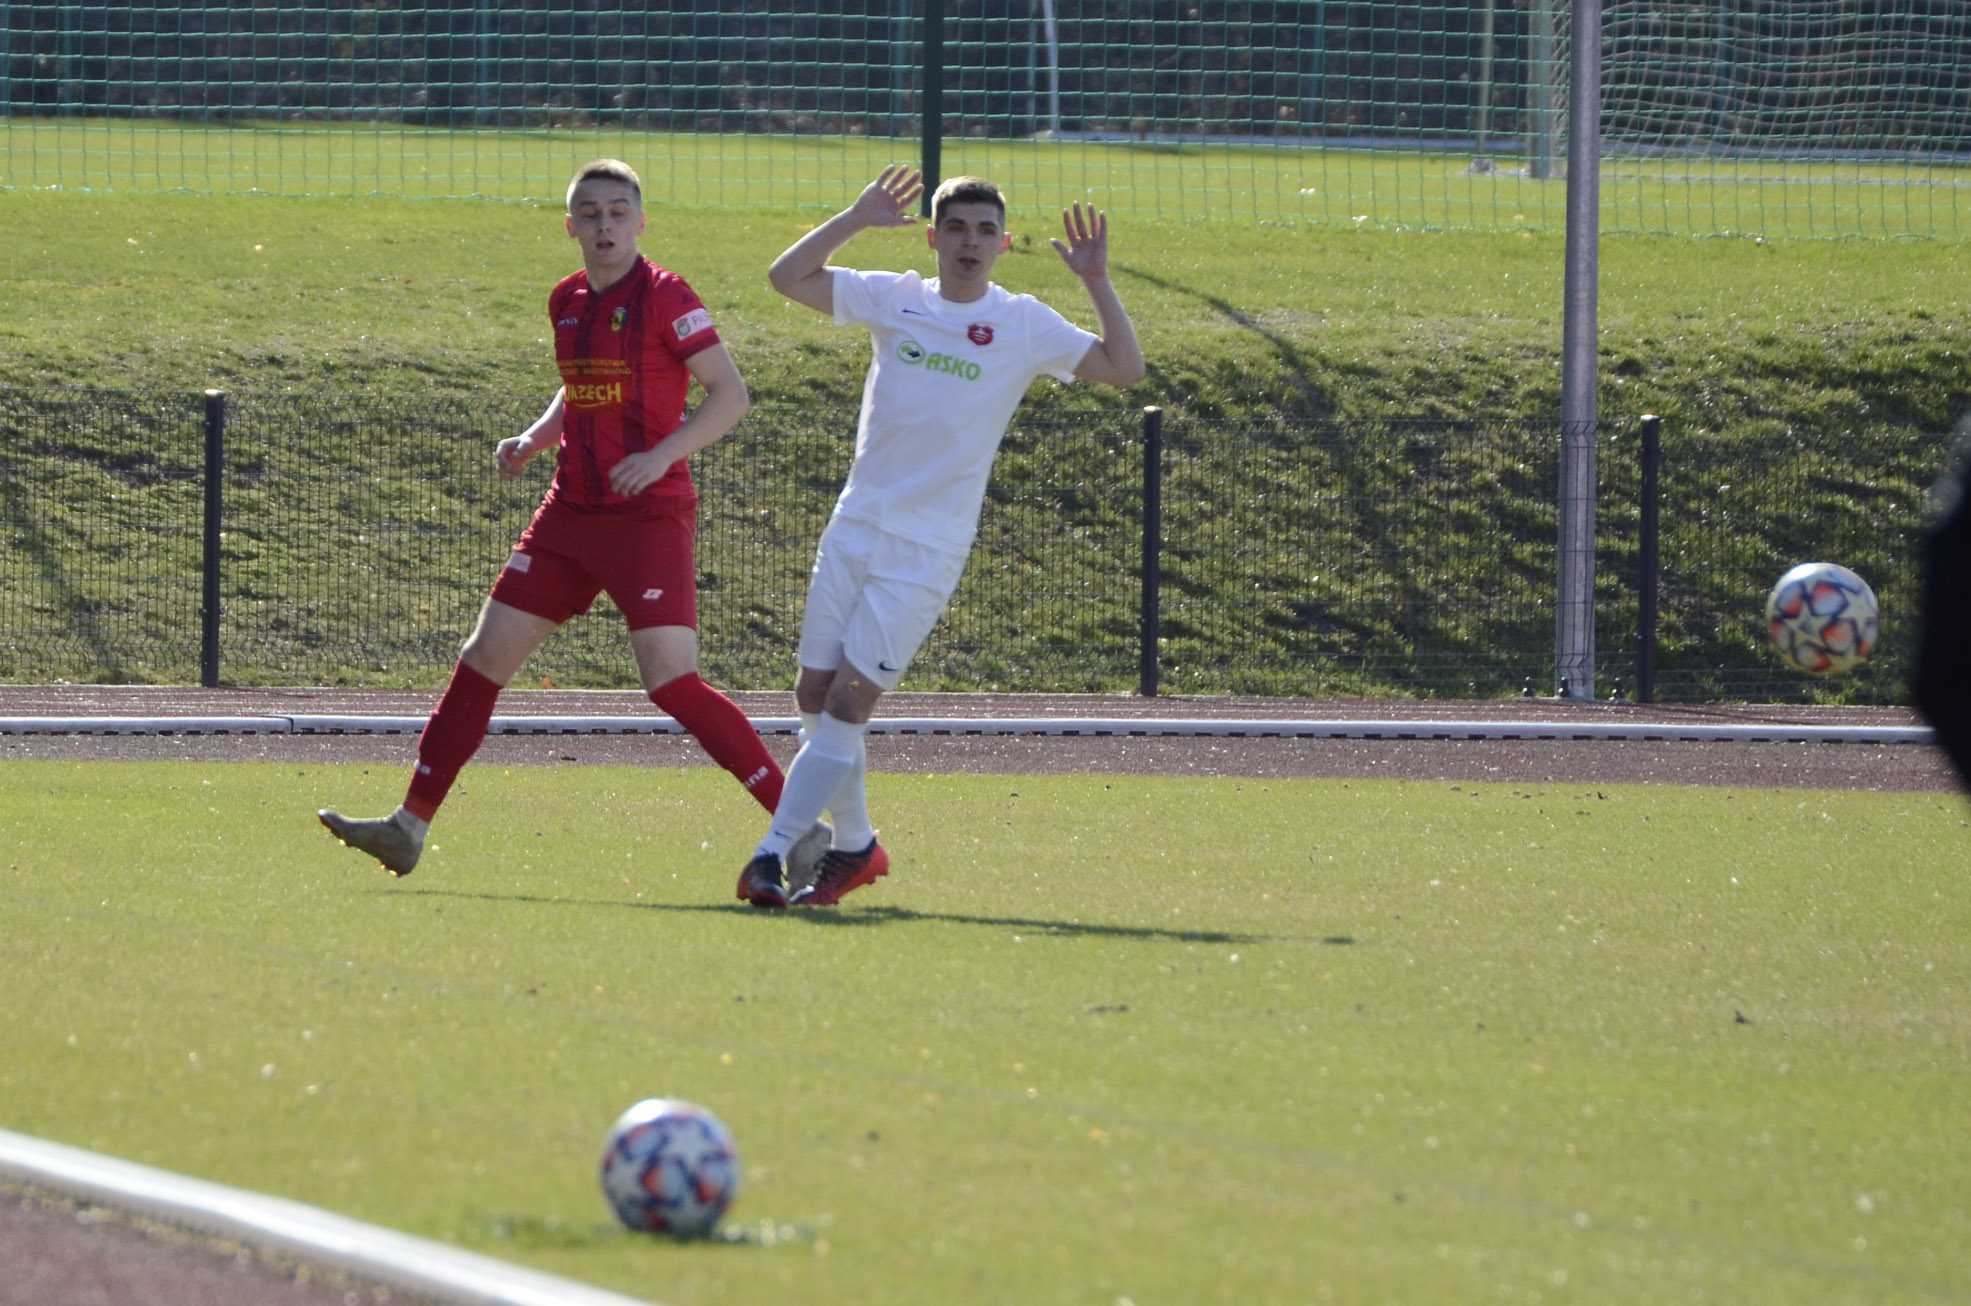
(860, 297)
(558, 298)
(680, 319)
(1058, 344)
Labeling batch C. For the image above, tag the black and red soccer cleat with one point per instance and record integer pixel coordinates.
(842, 872)
(763, 883)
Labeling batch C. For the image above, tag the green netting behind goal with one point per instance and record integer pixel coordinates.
(1778, 117)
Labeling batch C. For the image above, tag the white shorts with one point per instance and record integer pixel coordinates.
(873, 599)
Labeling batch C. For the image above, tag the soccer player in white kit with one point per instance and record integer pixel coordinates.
(951, 359)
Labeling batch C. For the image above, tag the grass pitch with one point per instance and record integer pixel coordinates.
(1095, 1039)
(1332, 182)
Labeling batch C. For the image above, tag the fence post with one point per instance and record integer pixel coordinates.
(215, 469)
(1152, 623)
(931, 125)
(1652, 464)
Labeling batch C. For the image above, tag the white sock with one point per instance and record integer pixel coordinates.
(850, 806)
(833, 750)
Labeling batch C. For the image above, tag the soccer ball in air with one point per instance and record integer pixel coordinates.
(669, 1167)
(1823, 618)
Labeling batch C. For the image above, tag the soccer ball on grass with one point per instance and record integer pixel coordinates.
(669, 1167)
(1823, 618)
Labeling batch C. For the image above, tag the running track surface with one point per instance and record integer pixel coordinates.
(1761, 765)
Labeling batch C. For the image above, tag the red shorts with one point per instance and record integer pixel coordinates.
(644, 563)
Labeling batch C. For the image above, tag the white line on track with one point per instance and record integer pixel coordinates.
(364, 1251)
(1139, 727)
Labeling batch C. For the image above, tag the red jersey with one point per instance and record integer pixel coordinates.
(622, 357)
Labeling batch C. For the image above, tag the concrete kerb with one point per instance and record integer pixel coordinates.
(363, 1251)
(1140, 727)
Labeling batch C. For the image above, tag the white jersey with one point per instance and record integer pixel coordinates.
(943, 382)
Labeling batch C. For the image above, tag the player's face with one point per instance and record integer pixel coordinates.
(605, 218)
(969, 239)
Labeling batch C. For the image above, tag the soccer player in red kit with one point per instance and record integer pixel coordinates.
(620, 515)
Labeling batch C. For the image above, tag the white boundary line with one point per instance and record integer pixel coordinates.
(1136, 727)
(365, 1251)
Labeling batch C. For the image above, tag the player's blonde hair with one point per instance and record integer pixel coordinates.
(610, 170)
(966, 190)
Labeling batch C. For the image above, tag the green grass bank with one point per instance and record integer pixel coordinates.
(1238, 320)
(1807, 385)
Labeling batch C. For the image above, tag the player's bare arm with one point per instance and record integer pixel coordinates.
(1116, 358)
(514, 452)
(725, 402)
(801, 273)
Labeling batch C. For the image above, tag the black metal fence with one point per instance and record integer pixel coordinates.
(349, 539)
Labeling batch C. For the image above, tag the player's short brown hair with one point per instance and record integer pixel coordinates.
(966, 190)
(609, 169)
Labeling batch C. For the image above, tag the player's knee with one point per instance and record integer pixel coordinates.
(852, 695)
(811, 689)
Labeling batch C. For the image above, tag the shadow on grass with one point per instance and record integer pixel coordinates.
(870, 917)
(77, 614)
(1317, 399)
(526, 1231)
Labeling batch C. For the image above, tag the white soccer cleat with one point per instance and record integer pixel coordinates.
(390, 843)
(804, 858)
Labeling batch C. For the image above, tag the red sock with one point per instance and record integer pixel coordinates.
(453, 734)
(725, 732)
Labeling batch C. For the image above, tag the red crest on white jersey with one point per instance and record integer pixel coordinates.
(979, 333)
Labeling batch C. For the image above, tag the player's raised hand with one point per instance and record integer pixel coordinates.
(891, 200)
(1086, 251)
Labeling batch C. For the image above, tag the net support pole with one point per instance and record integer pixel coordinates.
(932, 127)
(1152, 623)
(1574, 652)
(1482, 109)
(1649, 548)
(1314, 70)
(485, 70)
(215, 470)
(1051, 37)
(1540, 140)
(69, 94)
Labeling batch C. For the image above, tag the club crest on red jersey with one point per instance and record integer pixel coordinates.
(617, 318)
(979, 333)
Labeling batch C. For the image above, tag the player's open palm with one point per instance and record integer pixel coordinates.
(891, 200)
(1086, 251)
